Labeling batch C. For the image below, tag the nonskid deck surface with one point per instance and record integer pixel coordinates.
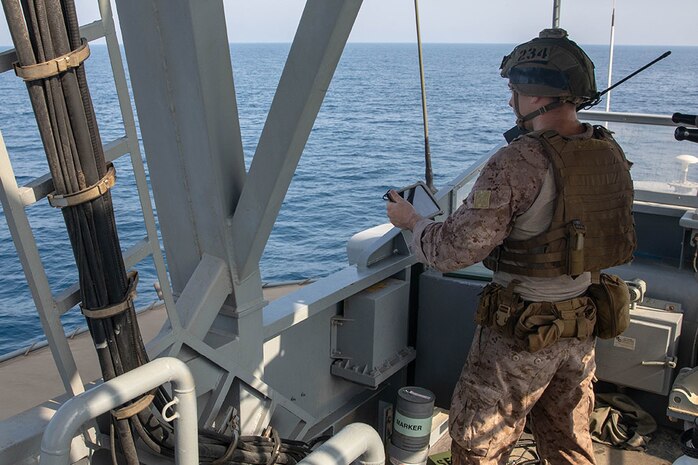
(663, 449)
(30, 380)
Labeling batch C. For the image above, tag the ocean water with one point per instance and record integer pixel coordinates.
(367, 138)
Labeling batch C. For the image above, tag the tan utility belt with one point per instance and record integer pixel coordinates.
(535, 325)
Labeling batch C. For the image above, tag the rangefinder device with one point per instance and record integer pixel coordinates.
(421, 198)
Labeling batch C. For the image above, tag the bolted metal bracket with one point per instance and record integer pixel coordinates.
(335, 323)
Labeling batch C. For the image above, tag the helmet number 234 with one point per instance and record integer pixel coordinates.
(532, 53)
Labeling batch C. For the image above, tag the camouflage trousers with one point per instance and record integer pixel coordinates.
(501, 384)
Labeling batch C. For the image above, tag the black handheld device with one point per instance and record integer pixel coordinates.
(421, 199)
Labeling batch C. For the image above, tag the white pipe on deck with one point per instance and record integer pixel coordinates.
(355, 442)
(55, 445)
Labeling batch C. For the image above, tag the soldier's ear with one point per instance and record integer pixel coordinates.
(542, 100)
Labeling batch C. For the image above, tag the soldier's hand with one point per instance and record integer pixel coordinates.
(401, 213)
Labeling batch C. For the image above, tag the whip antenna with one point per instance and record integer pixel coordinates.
(597, 99)
(428, 174)
(610, 53)
(515, 132)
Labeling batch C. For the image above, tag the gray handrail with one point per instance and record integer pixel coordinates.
(355, 442)
(65, 424)
(632, 118)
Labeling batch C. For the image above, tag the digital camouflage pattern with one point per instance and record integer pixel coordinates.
(501, 384)
(507, 186)
(514, 198)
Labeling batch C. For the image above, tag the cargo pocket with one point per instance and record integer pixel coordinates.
(477, 421)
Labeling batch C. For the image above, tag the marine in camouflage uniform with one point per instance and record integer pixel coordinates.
(503, 380)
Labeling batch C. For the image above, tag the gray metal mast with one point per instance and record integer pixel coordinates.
(556, 13)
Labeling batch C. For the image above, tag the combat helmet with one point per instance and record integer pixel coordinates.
(551, 65)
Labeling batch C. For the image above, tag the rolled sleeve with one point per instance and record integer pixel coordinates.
(416, 244)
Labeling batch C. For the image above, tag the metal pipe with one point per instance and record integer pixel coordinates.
(634, 118)
(55, 445)
(556, 14)
(355, 442)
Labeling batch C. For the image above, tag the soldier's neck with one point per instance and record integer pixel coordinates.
(563, 120)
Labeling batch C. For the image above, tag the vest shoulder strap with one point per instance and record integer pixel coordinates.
(553, 144)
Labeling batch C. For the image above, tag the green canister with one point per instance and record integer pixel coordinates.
(409, 442)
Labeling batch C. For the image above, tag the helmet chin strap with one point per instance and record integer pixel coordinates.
(521, 119)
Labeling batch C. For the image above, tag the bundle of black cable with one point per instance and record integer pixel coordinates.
(43, 30)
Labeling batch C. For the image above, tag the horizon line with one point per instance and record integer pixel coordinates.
(100, 41)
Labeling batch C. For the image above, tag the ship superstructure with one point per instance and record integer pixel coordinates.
(334, 351)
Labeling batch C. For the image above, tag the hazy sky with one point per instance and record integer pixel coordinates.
(667, 22)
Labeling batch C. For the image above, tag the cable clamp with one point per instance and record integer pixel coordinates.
(54, 67)
(276, 440)
(115, 309)
(135, 408)
(88, 194)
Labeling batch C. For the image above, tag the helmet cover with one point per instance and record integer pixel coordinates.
(551, 65)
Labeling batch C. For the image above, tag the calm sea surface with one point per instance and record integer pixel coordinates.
(367, 138)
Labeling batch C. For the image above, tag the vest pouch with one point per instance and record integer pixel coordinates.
(542, 324)
(575, 248)
(575, 262)
(538, 327)
(488, 297)
(499, 309)
(612, 300)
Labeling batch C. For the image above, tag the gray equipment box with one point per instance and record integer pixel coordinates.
(644, 356)
(369, 342)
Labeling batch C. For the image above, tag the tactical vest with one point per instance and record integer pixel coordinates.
(592, 226)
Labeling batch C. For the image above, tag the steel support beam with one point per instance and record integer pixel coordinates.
(213, 220)
(182, 78)
(204, 295)
(320, 39)
(133, 148)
